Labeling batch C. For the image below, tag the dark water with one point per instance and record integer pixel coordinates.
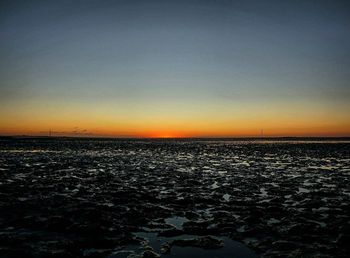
(104, 198)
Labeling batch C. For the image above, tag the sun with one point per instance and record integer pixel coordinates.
(165, 135)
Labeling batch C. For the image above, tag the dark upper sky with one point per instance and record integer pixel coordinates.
(282, 65)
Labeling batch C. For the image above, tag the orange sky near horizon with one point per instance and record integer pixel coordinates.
(174, 118)
(167, 133)
(167, 124)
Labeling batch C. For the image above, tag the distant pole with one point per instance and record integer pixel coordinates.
(262, 133)
(50, 133)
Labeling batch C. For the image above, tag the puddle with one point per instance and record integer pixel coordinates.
(230, 249)
(215, 185)
(263, 192)
(176, 221)
(226, 197)
(303, 190)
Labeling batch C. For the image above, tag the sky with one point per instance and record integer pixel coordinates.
(193, 68)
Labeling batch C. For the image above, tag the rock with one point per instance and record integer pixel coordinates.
(150, 254)
(343, 240)
(122, 254)
(191, 215)
(285, 245)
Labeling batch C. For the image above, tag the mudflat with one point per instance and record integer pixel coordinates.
(174, 198)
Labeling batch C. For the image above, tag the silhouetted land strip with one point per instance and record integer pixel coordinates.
(17, 137)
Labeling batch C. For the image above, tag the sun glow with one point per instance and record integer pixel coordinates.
(171, 121)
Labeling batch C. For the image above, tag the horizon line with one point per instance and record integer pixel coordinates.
(178, 138)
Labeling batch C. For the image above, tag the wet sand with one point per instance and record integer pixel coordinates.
(114, 198)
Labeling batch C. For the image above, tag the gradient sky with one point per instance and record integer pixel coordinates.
(175, 68)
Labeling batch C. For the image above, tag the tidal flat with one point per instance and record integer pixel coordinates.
(62, 197)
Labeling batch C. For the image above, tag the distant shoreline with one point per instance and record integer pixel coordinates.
(176, 139)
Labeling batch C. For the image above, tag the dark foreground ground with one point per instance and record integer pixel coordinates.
(100, 198)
